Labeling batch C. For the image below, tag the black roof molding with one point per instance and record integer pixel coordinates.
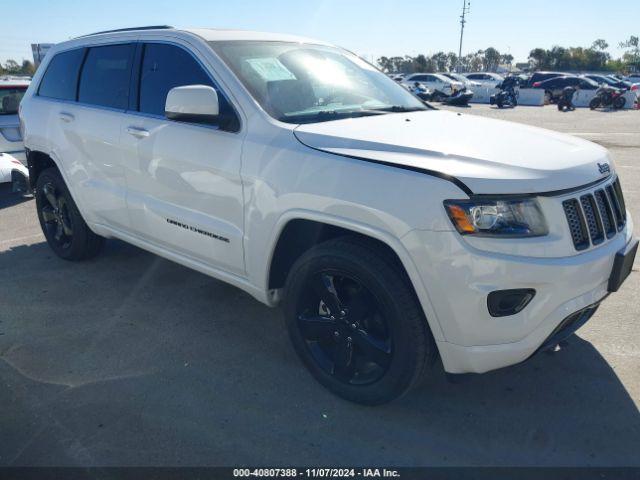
(131, 29)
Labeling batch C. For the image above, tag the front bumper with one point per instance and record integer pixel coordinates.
(458, 279)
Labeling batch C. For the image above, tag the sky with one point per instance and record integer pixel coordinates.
(370, 28)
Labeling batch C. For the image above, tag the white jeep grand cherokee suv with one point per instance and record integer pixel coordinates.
(299, 173)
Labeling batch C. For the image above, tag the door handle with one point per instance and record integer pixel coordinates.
(66, 117)
(138, 132)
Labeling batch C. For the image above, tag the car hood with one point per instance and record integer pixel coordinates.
(488, 156)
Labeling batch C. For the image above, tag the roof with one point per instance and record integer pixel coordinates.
(214, 34)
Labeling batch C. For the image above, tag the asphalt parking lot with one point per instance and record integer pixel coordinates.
(132, 360)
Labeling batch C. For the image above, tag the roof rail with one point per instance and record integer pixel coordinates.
(150, 27)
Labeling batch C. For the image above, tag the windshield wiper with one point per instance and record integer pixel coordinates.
(399, 109)
(327, 115)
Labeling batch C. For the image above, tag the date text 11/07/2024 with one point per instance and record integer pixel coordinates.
(316, 473)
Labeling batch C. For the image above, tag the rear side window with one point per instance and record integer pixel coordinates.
(60, 81)
(167, 66)
(105, 76)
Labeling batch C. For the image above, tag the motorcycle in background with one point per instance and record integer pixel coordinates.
(607, 96)
(508, 94)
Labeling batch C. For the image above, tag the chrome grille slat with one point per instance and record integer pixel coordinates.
(606, 214)
(596, 215)
(617, 211)
(577, 225)
(617, 188)
(592, 217)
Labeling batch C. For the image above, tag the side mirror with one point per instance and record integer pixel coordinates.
(192, 103)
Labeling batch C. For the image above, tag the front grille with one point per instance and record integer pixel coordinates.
(596, 215)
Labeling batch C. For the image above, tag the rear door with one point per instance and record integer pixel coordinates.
(185, 191)
(85, 91)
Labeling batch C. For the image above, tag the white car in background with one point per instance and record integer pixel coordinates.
(12, 89)
(487, 79)
(434, 81)
(12, 170)
(458, 77)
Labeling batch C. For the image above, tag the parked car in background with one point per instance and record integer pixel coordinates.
(458, 77)
(485, 78)
(554, 86)
(12, 170)
(542, 76)
(12, 89)
(434, 82)
(607, 80)
(634, 77)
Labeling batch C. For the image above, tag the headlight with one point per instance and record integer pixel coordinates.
(497, 218)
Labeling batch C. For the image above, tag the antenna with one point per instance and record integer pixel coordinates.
(466, 7)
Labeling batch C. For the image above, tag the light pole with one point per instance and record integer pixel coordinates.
(466, 6)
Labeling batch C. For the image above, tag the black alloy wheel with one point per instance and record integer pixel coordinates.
(57, 221)
(62, 224)
(355, 321)
(344, 328)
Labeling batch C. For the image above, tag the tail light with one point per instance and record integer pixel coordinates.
(536, 84)
(634, 88)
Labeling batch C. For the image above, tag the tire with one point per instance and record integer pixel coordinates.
(499, 104)
(594, 103)
(374, 344)
(619, 102)
(64, 228)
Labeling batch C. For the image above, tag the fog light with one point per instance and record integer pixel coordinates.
(503, 303)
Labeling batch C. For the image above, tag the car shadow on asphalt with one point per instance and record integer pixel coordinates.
(9, 199)
(131, 359)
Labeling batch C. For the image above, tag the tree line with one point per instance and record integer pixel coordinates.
(593, 58)
(11, 67)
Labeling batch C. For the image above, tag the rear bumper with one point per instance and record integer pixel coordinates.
(19, 155)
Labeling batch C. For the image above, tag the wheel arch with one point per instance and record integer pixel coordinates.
(297, 232)
(37, 162)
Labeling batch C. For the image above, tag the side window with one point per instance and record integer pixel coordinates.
(474, 77)
(420, 78)
(105, 76)
(60, 81)
(167, 66)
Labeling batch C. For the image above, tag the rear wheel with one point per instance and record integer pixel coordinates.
(619, 102)
(355, 322)
(64, 228)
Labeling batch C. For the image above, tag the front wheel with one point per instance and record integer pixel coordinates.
(619, 102)
(64, 228)
(594, 103)
(356, 323)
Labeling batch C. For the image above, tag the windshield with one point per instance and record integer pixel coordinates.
(300, 83)
(458, 77)
(10, 99)
(599, 79)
